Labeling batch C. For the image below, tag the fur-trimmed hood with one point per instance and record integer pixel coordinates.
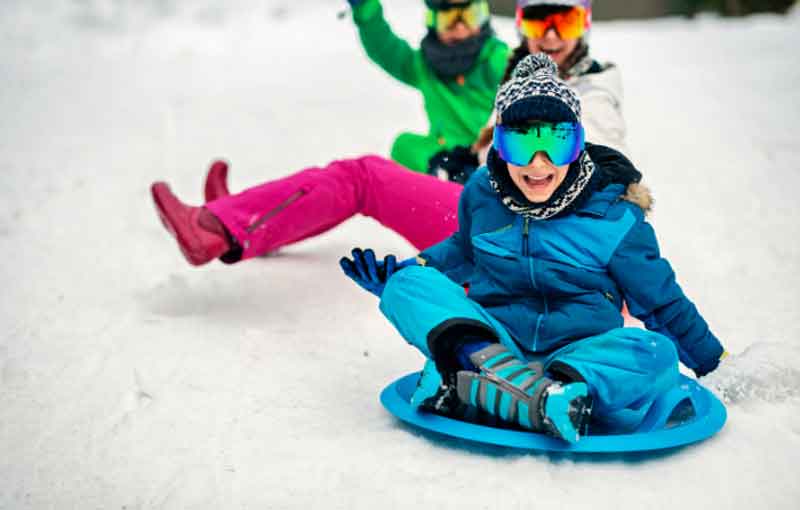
(618, 169)
(639, 194)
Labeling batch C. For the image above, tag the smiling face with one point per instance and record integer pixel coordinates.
(539, 179)
(552, 44)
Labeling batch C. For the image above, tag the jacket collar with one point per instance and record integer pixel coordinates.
(602, 200)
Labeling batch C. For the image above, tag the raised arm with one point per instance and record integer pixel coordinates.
(383, 46)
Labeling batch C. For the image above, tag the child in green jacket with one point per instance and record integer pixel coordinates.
(457, 68)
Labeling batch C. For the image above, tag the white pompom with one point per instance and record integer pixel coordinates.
(536, 64)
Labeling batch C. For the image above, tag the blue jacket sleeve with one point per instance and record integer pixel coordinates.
(453, 256)
(648, 285)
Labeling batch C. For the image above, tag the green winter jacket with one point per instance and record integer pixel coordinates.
(456, 109)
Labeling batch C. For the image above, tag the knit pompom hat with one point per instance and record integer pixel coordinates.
(535, 93)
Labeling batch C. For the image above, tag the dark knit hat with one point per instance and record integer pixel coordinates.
(535, 92)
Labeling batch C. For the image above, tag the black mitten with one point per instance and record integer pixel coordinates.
(456, 164)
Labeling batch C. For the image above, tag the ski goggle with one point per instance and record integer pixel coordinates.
(570, 24)
(562, 142)
(472, 14)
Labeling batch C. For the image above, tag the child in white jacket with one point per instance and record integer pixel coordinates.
(561, 30)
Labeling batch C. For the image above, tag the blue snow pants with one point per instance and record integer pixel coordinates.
(625, 368)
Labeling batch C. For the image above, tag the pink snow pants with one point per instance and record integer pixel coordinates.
(419, 207)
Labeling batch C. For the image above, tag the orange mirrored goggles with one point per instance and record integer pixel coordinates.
(570, 24)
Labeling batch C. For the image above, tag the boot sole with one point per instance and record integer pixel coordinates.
(160, 210)
(161, 194)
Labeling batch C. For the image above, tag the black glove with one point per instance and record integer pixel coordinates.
(456, 164)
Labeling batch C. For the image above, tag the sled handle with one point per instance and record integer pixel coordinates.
(664, 406)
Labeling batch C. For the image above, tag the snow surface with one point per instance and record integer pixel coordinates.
(129, 380)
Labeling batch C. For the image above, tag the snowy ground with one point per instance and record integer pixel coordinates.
(130, 380)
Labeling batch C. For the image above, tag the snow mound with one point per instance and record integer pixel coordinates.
(768, 372)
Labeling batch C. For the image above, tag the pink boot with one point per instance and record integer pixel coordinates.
(216, 181)
(200, 235)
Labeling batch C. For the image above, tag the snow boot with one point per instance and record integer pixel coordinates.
(200, 235)
(433, 394)
(438, 395)
(216, 185)
(521, 394)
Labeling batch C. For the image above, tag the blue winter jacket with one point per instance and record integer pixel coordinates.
(555, 281)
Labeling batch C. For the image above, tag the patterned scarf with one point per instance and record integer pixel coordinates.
(564, 198)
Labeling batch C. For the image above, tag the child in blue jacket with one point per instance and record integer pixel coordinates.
(552, 239)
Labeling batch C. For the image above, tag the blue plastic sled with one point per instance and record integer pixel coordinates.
(667, 423)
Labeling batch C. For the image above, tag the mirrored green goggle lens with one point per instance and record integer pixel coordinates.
(562, 142)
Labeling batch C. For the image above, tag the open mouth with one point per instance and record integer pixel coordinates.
(551, 51)
(534, 182)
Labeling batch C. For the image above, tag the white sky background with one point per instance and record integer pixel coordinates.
(130, 380)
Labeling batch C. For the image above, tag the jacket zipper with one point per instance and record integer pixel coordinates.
(526, 252)
(525, 236)
(277, 209)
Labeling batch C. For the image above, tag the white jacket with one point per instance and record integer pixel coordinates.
(601, 107)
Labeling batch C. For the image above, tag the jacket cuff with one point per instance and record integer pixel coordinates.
(711, 363)
(445, 339)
